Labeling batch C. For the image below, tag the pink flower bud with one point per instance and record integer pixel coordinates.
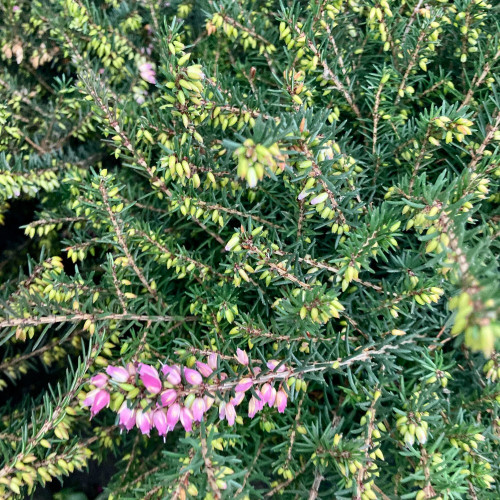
(320, 198)
(127, 416)
(143, 421)
(131, 369)
(212, 360)
(230, 414)
(273, 363)
(173, 415)
(187, 419)
(99, 380)
(272, 398)
(281, 400)
(198, 409)
(168, 397)
(242, 357)
(173, 374)
(244, 384)
(101, 400)
(204, 369)
(118, 373)
(160, 421)
(192, 376)
(150, 378)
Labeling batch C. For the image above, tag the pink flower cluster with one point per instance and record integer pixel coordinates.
(182, 394)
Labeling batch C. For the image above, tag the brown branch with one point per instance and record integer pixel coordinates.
(122, 242)
(209, 469)
(54, 319)
(478, 80)
(284, 484)
(412, 62)
(314, 491)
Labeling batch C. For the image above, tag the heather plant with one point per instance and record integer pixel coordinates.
(263, 259)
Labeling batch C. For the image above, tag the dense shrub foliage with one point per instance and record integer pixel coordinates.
(263, 256)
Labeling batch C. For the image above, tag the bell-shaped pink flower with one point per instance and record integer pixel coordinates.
(252, 407)
(173, 415)
(198, 409)
(222, 410)
(147, 72)
(150, 378)
(187, 419)
(266, 391)
(99, 380)
(230, 414)
(237, 399)
(259, 400)
(212, 360)
(273, 363)
(242, 357)
(127, 416)
(101, 400)
(173, 374)
(244, 384)
(192, 376)
(168, 397)
(143, 421)
(209, 401)
(204, 369)
(118, 373)
(281, 400)
(160, 421)
(89, 398)
(272, 397)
